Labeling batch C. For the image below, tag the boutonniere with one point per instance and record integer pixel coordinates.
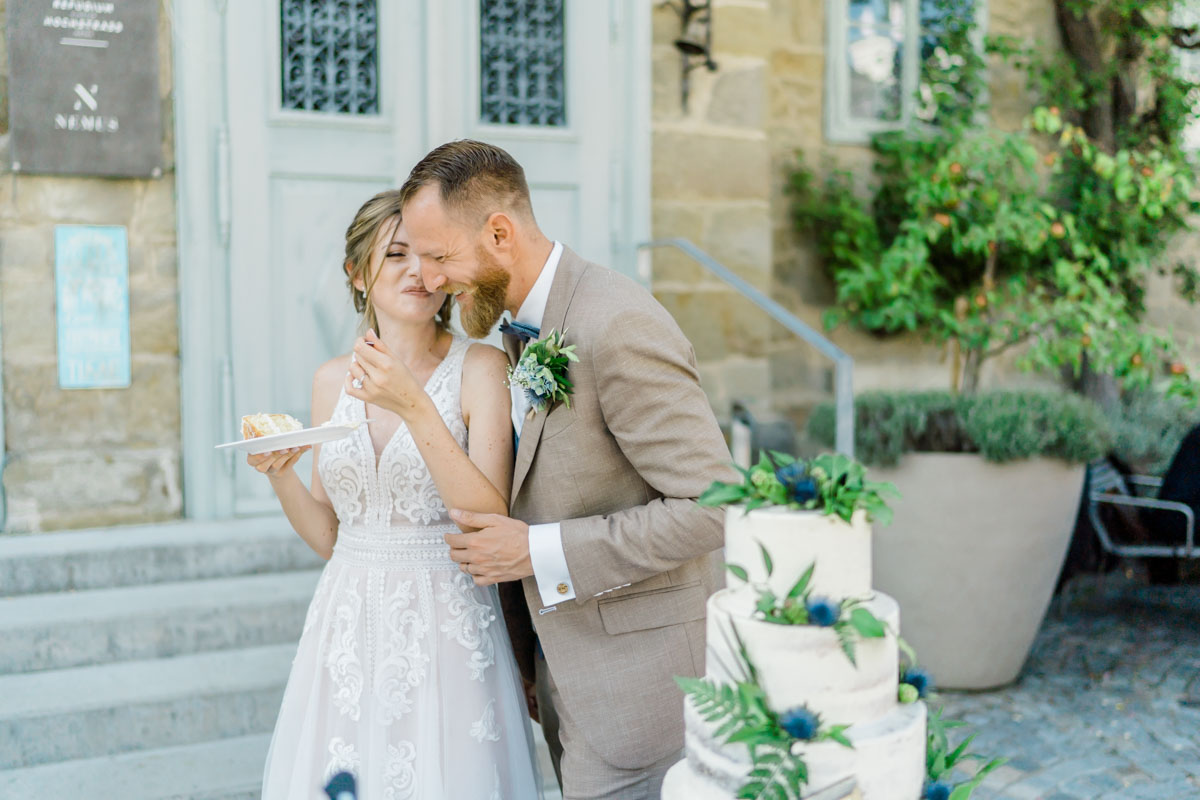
(542, 372)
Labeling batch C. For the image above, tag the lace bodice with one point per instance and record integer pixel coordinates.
(399, 493)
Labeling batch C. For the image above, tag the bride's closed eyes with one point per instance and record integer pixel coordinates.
(397, 249)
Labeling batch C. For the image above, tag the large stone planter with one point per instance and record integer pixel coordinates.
(972, 557)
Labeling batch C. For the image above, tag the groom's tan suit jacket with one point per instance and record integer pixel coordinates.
(620, 470)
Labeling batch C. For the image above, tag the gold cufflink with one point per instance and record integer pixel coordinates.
(562, 588)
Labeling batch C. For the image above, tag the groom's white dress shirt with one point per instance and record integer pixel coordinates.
(545, 541)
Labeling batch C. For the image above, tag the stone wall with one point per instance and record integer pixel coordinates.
(710, 183)
(94, 456)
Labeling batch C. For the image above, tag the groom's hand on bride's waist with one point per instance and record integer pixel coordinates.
(497, 551)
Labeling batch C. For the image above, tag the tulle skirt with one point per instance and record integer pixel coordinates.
(404, 677)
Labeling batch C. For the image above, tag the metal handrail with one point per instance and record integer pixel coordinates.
(843, 364)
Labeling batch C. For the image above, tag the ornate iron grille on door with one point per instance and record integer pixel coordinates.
(521, 62)
(330, 56)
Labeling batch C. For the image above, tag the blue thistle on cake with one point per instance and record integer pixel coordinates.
(936, 790)
(823, 611)
(919, 679)
(800, 723)
(795, 479)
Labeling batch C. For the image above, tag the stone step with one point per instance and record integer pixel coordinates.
(85, 712)
(162, 553)
(228, 769)
(73, 629)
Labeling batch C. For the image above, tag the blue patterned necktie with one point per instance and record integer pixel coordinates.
(520, 330)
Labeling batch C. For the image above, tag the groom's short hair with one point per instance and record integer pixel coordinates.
(474, 179)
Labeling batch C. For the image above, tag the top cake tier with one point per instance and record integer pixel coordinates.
(796, 540)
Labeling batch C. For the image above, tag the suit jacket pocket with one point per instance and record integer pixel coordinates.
(655, 609)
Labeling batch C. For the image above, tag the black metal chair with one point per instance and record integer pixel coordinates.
(1111, 488)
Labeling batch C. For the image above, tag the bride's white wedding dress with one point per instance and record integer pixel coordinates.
(403, 675)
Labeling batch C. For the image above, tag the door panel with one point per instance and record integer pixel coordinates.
(557, 211)
(312, 311)
(298, 177)
(567, 154)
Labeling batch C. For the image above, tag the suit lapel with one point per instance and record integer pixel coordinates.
(570, 269)
(512, 346)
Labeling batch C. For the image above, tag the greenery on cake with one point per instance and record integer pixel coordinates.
(915, 684)
(940, 760)
(847, 618)
(776, 741)
(831, 483)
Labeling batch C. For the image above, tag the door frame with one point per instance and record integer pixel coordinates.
(203, 209)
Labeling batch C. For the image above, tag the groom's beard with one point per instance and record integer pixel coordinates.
(488, 296)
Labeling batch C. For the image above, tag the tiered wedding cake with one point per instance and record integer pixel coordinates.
(804, 666)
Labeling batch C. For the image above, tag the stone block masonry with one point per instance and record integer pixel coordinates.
(710, 183)
(89, 457)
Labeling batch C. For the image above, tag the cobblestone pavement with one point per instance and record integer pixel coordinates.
(1108, 705)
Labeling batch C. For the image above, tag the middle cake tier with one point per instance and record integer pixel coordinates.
(805, 665)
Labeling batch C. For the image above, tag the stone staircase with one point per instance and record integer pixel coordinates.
(147, 662)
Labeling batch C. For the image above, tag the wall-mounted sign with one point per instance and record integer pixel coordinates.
(91, 281)
(83, 84)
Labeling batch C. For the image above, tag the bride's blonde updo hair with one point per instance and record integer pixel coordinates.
(380, 212)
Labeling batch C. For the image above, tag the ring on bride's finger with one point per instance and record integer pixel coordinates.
(357, 382)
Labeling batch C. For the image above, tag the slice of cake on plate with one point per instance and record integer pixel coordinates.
(256, 425)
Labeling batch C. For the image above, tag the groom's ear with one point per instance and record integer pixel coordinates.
(500, 231)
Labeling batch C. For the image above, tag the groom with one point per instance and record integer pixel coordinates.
(615, 558)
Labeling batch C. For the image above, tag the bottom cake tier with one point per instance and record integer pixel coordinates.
(888, 760)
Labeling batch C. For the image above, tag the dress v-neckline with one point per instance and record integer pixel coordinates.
(377, 458)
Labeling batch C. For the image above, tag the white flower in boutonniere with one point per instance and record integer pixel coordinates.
(542, 372)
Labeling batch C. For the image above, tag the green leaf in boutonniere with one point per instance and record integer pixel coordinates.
(541, 372)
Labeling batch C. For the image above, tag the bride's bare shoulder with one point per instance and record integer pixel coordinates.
(331, 374)
(485, 367)
(484, 358)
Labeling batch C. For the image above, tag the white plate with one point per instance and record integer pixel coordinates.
(282, 441)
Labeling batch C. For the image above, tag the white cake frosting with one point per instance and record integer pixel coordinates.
(805, 665)
(795, 540)
(887, 762)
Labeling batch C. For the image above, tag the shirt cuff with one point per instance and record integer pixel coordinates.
(550, 564)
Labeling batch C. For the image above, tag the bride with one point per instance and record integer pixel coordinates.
(403, 675)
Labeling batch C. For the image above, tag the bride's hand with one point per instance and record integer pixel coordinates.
(378, 377)
(276, 462)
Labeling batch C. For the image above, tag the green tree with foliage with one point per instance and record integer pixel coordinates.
(989, 240)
